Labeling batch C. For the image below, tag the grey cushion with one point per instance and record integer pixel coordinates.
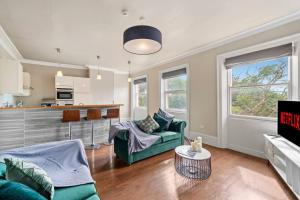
(147, 125)
(29, 174)
(167, 116)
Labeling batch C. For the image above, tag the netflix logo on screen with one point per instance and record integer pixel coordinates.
(289, 120)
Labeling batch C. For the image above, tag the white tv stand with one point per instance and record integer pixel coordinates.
(284, 156)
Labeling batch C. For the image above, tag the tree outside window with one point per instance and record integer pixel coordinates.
(256, 88)
(141, 94)
(175, 93)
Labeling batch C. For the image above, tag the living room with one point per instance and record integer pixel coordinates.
(121, 99)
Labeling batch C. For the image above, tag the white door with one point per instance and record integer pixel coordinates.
(139, 98)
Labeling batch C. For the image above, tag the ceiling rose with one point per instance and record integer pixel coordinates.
(142, 40)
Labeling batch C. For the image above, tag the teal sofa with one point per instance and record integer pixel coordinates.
(81, 192)
(169, 139)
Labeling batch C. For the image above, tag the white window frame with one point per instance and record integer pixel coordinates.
(137, 96)
(229, 77)
(133, 93)
(163, 92)
(166, 92)
(222, 82)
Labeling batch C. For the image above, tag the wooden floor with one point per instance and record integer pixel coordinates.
(235, 176)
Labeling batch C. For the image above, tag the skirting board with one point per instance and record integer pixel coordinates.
(248, 151)
(207, 139)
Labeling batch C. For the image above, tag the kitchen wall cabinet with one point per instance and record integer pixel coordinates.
(11, 77)
(64, 82)
(81, 85)
(82, 98)
(26, 85)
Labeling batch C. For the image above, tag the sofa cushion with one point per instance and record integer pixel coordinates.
(10, 190)
(147, 125)
(29, 174)
(169, 135)
(81, 192)
(2, 170)
(161, 121)
(94, 197)
(167, 116)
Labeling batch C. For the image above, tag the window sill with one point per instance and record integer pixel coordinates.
(140, 107)
(176, 111)
(270, 119)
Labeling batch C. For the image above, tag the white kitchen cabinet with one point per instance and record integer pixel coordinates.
(11, 77)
(64, 82)
(26, 85)
(26, 80)
(81, 85)
(82, 98)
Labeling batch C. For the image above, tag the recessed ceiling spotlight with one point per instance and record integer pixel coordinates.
(124, 12)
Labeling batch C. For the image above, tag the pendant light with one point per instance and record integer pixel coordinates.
(129, 75)
(142, 39)
(58, 73)
(99, 77)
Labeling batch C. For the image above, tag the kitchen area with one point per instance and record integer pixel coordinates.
(33, 98)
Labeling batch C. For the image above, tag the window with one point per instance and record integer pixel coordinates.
(140, 87)
(174, 90)
(141, 97)
(256, 87)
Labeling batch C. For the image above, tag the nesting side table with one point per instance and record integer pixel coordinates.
(195, 165)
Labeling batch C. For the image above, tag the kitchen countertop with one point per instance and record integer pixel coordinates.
(62, 107)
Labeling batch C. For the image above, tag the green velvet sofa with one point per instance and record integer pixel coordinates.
(169, 139)
(81, 192)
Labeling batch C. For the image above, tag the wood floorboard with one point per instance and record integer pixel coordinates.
(235, 176)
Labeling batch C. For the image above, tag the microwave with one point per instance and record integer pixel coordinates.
(64, 94)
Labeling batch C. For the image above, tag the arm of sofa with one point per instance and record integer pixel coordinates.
(177, 126)
(123, 135)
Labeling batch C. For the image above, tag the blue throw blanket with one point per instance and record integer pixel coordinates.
(138, 140)
(65, 161)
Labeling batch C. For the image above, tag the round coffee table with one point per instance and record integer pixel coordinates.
(195, 165)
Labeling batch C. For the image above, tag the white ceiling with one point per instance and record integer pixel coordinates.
(86, 28)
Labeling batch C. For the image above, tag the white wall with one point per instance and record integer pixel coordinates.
(102, 90)
(112, 88)
(121, 94)
(246, 135)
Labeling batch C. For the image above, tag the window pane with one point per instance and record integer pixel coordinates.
(142, 88)
(142, 100)
(257, 101)
(176, 101)
(176, 83)
(264, 72)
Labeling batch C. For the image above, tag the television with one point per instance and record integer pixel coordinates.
(289, 120)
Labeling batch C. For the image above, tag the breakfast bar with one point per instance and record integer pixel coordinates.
(23, 126)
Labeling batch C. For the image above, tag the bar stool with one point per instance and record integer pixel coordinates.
(92, 115)
(71, 116)
(112, 113)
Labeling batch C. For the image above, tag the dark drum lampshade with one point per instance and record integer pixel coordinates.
(142, 40)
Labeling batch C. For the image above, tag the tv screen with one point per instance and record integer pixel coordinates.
(289, 120)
